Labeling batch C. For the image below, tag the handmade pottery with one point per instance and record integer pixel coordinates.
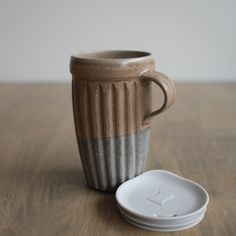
(111, 93)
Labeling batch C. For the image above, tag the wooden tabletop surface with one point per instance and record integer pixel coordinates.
(42, 188)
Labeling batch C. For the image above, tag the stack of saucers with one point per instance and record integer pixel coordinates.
(162, 201)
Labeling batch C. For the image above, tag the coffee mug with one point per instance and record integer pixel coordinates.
(111, 93)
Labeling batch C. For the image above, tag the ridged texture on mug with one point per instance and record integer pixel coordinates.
(113, 141)
(110, 109)
(109, 162)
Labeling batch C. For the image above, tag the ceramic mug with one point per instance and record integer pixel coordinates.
(111, 93)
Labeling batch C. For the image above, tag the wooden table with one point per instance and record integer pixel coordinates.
(42, 188)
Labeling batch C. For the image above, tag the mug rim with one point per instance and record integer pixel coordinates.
(111, 56)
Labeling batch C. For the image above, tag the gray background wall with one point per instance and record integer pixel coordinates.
(192, 40)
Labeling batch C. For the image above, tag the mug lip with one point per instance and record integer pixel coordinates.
(89, 57)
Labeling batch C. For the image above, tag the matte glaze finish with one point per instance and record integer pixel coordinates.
(111, 93)
(110, 161)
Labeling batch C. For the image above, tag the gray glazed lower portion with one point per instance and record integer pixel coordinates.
(109, 162)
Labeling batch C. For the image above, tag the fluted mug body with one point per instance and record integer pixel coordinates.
(111, 99)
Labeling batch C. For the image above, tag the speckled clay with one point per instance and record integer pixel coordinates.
(111, 93)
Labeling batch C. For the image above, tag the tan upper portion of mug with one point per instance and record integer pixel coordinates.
(112, 92)
(111, 64)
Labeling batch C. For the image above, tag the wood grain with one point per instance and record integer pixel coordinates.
(42, 188)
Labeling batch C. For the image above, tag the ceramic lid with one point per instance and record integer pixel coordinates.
(162, 223)
(165, 229)
(163, 196)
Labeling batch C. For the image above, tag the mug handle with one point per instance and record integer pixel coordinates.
(167, 87)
